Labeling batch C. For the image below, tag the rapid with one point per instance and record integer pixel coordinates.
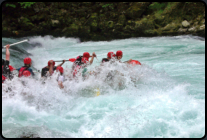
(162, 98)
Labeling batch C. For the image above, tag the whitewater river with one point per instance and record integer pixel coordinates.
(164, 97)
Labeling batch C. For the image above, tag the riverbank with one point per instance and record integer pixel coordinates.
(100, 21)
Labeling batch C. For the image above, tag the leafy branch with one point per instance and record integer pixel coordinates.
(107, 5)
(26, 4)
(11, 5)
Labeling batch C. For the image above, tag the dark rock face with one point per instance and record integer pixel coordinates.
(103, 20)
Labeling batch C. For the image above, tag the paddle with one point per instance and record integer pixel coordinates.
(71, 60)
(16, 43)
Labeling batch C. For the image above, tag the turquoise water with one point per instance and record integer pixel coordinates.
(162, 98)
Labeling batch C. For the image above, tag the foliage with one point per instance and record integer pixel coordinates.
(26, 4)
(11, 5)
(107, 5)
(157, 6)
(170, 5)
(190, 2)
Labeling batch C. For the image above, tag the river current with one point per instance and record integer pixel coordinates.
(162, 98)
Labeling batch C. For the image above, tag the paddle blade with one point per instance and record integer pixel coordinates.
(135, 62)
(72, 59)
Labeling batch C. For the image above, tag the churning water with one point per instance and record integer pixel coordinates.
(163, 97)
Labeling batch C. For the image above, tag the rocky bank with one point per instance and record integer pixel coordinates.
(99, 21)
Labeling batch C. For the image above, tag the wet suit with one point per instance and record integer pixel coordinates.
(45, 70)
(77, 62)
(105, 60)
(6, 73)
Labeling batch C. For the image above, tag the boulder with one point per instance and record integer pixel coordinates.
(122, 19)
(71, 30)
(151, 32)
(203, 21)
(55, 22)
(171, 26)
(185, 24)
(144, 24)
(94, 25)
(181, 30)
(110, 24)
(201, 28)
(192, 29)
(136, 9)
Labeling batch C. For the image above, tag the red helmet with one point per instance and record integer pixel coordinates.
(84, 59)
(86, 54)
(26, 73)
(110, 54)
(119, 53)
(60, 69)
(49, 63)
(27, 60)
(11, 68)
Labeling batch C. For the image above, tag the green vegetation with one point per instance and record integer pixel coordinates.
(190, 2)
(170, 5)
(157, 6)
(107, 5)
(11, 5)
(86, 20)
(23, 4)
(26, 4)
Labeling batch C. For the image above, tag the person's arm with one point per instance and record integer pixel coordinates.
(51, 69)
(128, 61)
(61, 63)
(31, 71)
(94, 55)
(60, 83)
(7, 52)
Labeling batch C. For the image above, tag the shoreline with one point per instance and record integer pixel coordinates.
(103, 21)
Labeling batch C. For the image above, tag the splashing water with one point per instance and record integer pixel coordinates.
(164, 97)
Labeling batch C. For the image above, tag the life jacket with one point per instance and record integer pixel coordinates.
(78, 60)
(22, 69)
(76, 70)
(105, 60)
(3, 78)
(3, 75)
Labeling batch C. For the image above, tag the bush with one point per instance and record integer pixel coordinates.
(157, 6)
(11, 5)
(26, 4)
